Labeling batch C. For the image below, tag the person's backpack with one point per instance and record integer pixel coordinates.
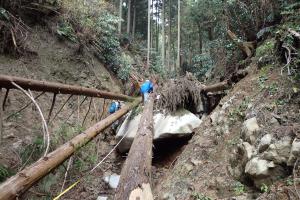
(112, 107)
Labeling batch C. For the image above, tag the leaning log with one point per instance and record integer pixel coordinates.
(136, 173)
(22, 181)
(58, 88)
(217, 87)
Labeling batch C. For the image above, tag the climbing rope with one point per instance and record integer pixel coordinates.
(94, 168)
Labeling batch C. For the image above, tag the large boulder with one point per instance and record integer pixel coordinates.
(176, 125)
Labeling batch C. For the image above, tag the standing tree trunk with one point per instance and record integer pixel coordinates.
(135, 181)
(149, 31)
(163, 52)
(170, 40)
(200, 39)
(178, 40)
(120, 16)
(129, 17)
(157, 27)
(134, 20)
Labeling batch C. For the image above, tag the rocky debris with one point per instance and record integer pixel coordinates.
(261, 155)
(279, 151)
(166, 126)
(250, 130)
(112, 180)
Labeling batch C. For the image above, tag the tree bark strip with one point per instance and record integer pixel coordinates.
(5, 82)
(22, 181)
(136, 174)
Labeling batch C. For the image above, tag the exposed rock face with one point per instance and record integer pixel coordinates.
(180, 124)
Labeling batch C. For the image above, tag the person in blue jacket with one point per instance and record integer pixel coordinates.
(114, 107)
(146, 89)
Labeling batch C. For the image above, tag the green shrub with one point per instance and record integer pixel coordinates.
(5, 173)
(65, 30)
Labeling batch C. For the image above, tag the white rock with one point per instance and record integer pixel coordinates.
(295, 152)
(249, 130)
(258, 167)
(112, 180)
(180, 124)
(265, 142)
(102, 198)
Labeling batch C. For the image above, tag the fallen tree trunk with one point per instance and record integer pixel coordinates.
(136, 173)
(217, 87)
(22, 181)
(58, 88)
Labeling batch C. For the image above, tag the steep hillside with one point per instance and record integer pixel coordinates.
(247, 147)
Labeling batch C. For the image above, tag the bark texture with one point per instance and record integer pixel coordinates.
(136, 173)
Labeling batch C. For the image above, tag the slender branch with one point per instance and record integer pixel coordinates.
(45, 127)
(66, 174)
(62, 107)
(51, 108)
(87, 111)
(24, 107)
(5, 98)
